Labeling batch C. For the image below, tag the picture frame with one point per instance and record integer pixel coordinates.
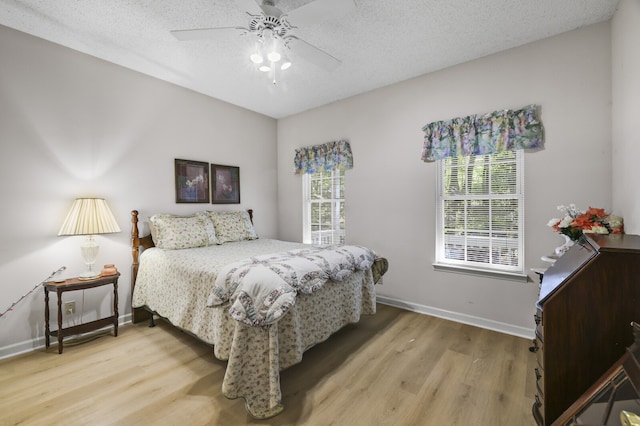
(192, 181)
(225, 184)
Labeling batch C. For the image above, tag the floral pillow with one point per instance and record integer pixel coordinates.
(232, 226)
(181, 232)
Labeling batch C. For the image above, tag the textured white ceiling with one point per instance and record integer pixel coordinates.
(380, 43)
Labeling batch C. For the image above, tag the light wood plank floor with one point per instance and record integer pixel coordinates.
(393, 368)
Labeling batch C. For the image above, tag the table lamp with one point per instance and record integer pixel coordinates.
(89, 216)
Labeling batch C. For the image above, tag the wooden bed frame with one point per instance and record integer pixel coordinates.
(138, 244)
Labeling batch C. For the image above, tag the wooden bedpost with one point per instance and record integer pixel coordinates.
(137, 314)
(135, 239)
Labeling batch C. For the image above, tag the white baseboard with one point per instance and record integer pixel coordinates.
(39, 342)
(527, 333)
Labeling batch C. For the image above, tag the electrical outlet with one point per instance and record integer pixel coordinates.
(70, 307)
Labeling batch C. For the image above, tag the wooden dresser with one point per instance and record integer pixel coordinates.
(588, 298)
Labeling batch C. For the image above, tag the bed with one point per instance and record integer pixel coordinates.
(260, 303)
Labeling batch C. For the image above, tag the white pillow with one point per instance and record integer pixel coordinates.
(232, 226)
(181, 232)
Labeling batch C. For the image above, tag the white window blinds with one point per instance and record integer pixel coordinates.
(323, 209)
(480, 210)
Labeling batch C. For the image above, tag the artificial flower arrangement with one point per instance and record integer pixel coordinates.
(593, 220)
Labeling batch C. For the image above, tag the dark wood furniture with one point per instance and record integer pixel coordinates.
(74, 284)
(588, 298)
(616, 391)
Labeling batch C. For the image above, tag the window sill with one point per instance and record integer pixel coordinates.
(511, 276)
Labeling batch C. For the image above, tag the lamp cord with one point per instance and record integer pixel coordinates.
(33, 289)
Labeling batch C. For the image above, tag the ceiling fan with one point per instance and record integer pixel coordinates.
(273, 31)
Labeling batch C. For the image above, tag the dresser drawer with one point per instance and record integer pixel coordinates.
(539, 380)
(538, 410)
(538, 318)
(540, 352)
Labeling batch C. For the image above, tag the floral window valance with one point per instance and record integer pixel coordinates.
(328, 156)
(506, 130)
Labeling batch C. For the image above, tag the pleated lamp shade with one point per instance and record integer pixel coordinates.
(89, 216)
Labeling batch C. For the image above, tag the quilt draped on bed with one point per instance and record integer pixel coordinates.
(261, 289)
(177, 283)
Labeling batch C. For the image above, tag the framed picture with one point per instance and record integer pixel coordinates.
(225, 184)
(192, 181)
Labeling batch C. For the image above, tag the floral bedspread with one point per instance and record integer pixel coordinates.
(177, 283)
(261, 289)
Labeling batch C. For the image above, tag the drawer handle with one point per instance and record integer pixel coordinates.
(538, 375)
(537, 319)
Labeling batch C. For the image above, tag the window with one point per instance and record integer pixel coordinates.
(480, 212)
(323, 207)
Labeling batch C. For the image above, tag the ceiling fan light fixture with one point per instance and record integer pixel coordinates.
(256, 58)
(274, 56)
(273, 35)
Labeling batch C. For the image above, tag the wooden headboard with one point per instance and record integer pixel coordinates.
(138, 244)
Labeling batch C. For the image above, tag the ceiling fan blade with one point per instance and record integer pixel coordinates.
(313, 54)
(320, 10)
(205, 33)
(249, 6)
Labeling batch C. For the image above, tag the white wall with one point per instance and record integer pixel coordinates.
(390, 192)
(72, 125)
(625, 112)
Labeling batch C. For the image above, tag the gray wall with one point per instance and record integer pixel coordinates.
(391, 193)
(625, 112)
(72, 125)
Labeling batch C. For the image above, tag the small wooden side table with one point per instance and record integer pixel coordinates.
(73, 284)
